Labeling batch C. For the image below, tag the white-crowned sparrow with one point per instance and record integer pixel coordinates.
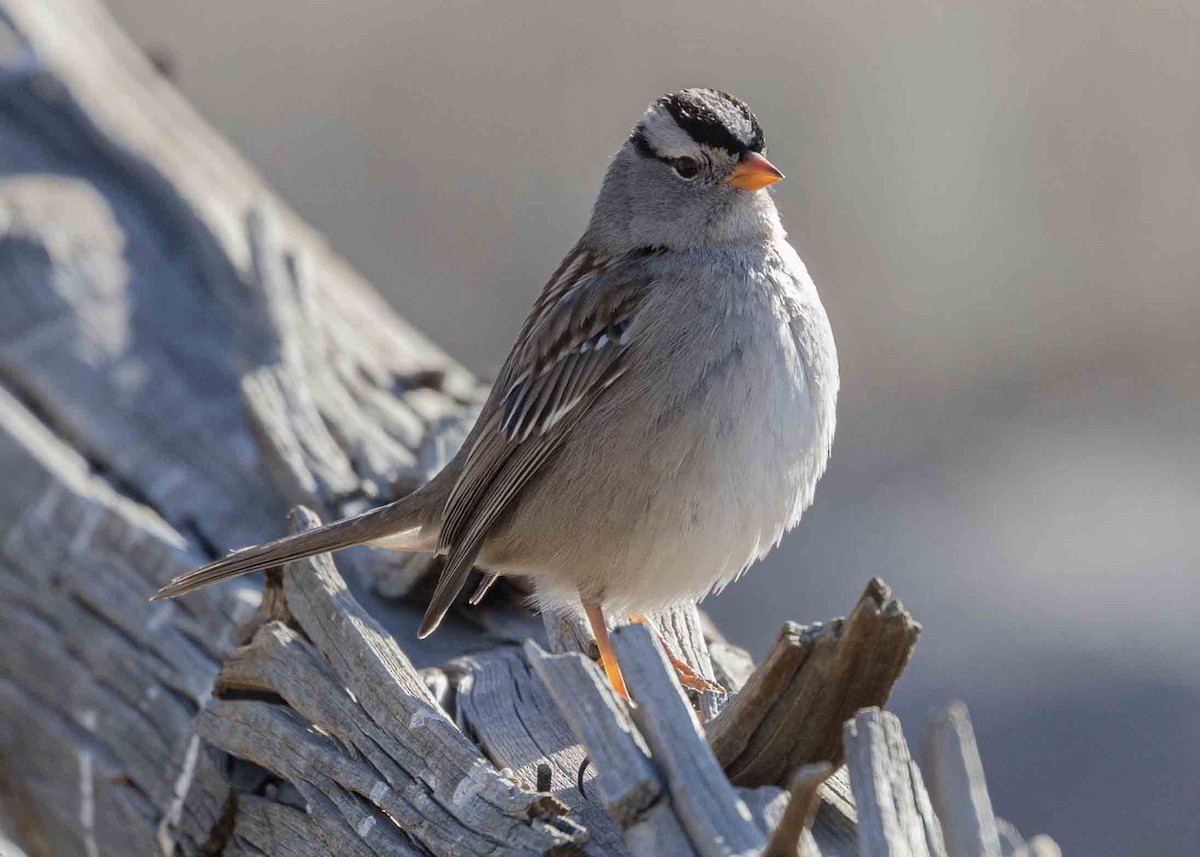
(666, 411)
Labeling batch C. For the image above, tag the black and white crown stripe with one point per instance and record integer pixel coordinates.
(707, 117)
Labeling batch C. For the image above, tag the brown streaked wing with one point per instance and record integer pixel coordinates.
(571, 350)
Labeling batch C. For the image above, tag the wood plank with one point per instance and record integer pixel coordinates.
(895, 816)
(792, 837)
(716, 820)
(506, 708)
(628, 783)
(957, 785)
(791, 711)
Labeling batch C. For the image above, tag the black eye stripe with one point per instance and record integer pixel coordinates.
(638, 138)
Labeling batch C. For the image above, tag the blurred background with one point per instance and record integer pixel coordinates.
(1001, 206)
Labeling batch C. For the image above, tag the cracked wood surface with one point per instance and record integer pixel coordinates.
(714, 816)
(626, 781)
(408, 765)
(895, 817)
(507, 709)
(791, 710)
(149, 281)
(98, 687)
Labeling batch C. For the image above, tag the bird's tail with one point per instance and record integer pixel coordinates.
(400, 526)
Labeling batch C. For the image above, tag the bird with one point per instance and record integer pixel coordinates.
(664, 415)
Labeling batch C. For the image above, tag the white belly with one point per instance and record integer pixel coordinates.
(753, 457)
(692, 470)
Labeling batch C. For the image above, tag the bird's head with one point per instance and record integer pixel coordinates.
(691, 173)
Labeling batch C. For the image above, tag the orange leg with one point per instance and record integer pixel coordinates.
(688, 677)
(608, 659)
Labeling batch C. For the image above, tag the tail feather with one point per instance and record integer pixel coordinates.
(397, 525)
(489, 578)
(458, 567)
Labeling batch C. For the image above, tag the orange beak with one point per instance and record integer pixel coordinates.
(754, 172)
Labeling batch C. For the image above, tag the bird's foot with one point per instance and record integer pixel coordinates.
(687, 675)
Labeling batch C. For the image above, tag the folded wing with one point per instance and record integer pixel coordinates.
(573, 348)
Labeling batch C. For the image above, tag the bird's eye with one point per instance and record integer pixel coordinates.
(686, 168)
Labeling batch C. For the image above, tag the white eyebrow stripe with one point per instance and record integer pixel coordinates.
(665, 137)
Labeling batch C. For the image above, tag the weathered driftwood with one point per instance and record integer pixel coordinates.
(386, 757)
(895, 814)
(791, 711)
(182, 360)
(792, 836)
(666, 800)
(625, 779)
(895, 817)
(656, 787)
(710, 810)
(958, 790)
(98, 688)
(139, 296)
(507, 710)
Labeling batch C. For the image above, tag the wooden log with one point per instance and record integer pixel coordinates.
(627, 782)
(895, 816)
(792, 837)
(411, 775)
(135, 297)
(791, 711)
(507, 710)
(710, 811)
(98, 687)
(957, 784)
(177, 399)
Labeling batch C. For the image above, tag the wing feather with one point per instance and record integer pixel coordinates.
(572, 348)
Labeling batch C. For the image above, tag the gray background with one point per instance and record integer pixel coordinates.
(1001, 205)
